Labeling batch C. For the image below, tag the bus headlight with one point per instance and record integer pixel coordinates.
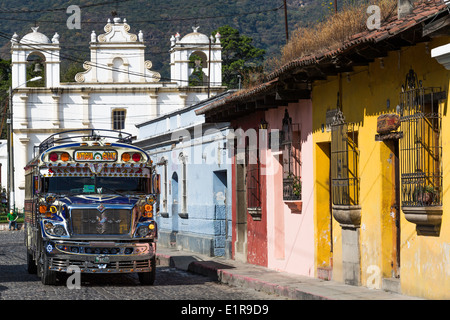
(146, 230)
(59, 230)
(142, 231)
(54, 229)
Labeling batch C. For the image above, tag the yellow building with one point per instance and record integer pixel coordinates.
(381, 153)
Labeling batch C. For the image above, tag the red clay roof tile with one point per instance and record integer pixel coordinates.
(423, 10)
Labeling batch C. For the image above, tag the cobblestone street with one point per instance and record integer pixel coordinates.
(170, 284)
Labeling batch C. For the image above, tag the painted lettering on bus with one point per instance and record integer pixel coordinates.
(95, 155)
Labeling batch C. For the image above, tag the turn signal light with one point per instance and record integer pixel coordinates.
(126, 157)
(42, 209)
(65, 156)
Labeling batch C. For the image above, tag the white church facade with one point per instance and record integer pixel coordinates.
(117, 90)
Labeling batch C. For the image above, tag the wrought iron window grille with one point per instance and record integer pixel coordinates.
(290, 142)
(421, 145)
(344, 162)
(253, 175)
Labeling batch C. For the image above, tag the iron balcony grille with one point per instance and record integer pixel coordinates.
(291, 158)
(292, 189)
(93, 222)
(421, 148)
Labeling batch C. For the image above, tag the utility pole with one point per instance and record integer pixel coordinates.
(10, 155)
(335, 6)
(286, 21)
(209, 68)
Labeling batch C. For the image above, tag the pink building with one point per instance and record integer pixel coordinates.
(272, 196)
(290, 225)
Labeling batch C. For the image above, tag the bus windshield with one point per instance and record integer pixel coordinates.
(94, 184)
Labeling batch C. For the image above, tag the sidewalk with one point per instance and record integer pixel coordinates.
(5, 226)
(270, 281)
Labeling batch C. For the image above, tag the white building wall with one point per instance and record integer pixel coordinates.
(4, 164)
(89, 102)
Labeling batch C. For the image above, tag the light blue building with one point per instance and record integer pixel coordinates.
(192, 160)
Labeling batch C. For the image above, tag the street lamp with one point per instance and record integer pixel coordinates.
(12, 203)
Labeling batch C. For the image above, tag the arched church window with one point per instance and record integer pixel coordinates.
(198, 63)
(35, 68)
(117, 70)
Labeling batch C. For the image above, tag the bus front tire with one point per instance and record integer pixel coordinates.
(48, 277)
(148, 278)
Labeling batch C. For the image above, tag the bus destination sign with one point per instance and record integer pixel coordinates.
(96, 155)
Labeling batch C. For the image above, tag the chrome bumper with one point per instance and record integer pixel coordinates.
(100, 257)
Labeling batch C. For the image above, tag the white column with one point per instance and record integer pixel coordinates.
(184, 69)
(94, 68)
(52, 72)
(21, 160)
(56, 111)
(18, 68)
(216, 68)
(154, 112)
(85, 121)
(183, 97)
(19, 110)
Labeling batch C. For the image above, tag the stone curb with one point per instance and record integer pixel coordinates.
(220, 273)
(270, 281)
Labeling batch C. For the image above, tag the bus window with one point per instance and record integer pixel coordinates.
(92, 184)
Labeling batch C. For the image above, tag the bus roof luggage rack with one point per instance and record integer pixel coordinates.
(86, 135)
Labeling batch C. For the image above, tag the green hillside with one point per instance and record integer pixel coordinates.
(261, 20)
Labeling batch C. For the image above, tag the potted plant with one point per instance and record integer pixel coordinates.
(425, 194)
(297, 187)
(292, 193)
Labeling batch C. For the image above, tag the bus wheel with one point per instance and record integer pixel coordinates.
(31, 264)
(48, 277)
(148, 278)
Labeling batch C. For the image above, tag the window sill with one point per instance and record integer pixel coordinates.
(255, 212)
(294, 205)
(427, 219)
(347, 215)
(183, 215)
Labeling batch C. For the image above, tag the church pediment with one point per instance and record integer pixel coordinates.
(117, 32)
(117, 56)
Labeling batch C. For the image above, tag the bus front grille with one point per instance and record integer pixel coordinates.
(108, 222)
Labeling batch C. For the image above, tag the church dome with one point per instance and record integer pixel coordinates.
(35, 37)
(195, 38)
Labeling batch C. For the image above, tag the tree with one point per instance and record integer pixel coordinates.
(239, 57)
(71, 71)
(5, 83)
(196, 78)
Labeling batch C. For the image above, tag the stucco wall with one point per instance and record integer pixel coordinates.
(291, 235)
(367, 93)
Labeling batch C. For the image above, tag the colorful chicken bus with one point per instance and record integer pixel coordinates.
(90, 203)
